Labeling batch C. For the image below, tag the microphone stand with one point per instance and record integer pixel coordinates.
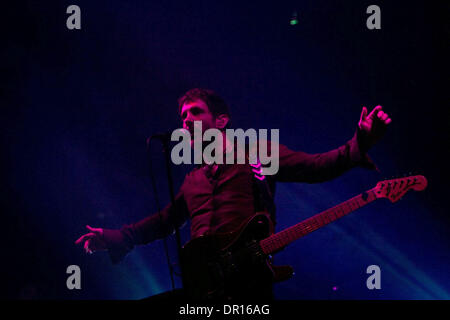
(164, 138)
(166, 151)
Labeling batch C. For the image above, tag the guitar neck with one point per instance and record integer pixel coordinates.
(281, 239)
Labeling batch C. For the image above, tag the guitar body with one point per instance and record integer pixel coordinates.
(226, 265)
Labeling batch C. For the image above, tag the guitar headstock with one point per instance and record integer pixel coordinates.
(394, 189)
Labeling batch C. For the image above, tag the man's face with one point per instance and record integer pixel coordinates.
(197, 111)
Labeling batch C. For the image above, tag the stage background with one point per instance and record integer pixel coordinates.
(78, 105)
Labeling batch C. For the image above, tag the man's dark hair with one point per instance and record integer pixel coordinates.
(215, 103)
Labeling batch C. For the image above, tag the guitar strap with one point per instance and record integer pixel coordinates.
(263, 191)
(263, 198)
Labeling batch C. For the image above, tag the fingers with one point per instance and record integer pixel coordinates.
(86, 246)
(89, 238)
(362, 118)
(375, 111)
(376, 114)
(98, 231)
(384, 117)
(94, 232)
(363, 114)
(381, 115)
(85, 237)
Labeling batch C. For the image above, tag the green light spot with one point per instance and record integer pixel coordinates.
(294, 22)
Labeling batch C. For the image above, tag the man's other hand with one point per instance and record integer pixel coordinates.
(92, 241)
(374, 124)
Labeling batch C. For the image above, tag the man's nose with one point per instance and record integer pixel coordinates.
(188, 123)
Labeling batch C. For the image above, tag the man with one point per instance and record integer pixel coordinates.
(221, 198)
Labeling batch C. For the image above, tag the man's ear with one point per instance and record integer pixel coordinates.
(222, 121)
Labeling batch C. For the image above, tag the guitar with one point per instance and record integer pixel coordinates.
(216, 267)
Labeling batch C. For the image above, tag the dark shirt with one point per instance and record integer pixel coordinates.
(221, 200)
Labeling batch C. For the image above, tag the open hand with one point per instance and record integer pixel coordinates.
(374, 125)
(92, 241)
